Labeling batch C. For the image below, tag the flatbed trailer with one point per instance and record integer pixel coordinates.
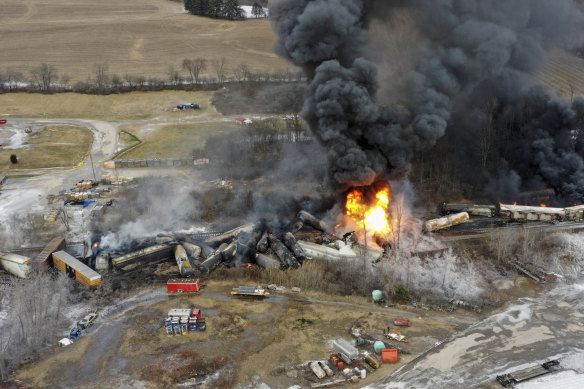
(523, 375)
(249, 291)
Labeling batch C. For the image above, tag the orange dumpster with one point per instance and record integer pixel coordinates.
(389, 355)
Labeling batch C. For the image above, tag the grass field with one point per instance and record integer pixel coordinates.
(59, 146)
(176, 141)
(138, 37)
(127, 106)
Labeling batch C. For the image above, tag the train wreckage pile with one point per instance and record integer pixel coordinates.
(308, 237)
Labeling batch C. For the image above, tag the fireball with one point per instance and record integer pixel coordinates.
(372, 216)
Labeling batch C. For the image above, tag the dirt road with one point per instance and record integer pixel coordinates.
(263, 338)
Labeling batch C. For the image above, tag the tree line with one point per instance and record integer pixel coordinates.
(220, 9)
(197, 73)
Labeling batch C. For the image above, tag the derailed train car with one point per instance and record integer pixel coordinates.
(76, 269)
(471, 209)
(148, 255)
(15, 264)
(527, 213)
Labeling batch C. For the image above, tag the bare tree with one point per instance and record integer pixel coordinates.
(194, 67)
(44, 76)
(242, 72)
(174, 76)
(219, 66)
(101, 76)
(34, 314)
(13, 77)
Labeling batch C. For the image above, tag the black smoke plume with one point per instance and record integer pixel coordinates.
(470, 52)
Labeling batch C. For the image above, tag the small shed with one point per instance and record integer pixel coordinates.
(240, 120)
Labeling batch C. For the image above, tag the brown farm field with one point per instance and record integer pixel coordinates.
(137, 37)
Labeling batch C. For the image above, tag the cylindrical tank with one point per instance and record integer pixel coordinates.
(377, 295)
(446, 221)
(378, 346)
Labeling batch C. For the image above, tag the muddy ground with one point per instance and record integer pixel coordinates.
(253, 337)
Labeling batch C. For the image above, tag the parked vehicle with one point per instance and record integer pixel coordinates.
(74, 334)
(87, 321)
(188, 106)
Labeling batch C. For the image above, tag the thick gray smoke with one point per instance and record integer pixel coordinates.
(472, 51)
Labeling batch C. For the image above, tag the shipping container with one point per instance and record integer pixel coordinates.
(183, 285)
(75, 269)
(45, 258)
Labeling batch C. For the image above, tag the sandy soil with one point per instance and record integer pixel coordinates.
(262, 338)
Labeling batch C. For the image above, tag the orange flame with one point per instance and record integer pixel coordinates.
(515, 203)
(374, 217)
(542, 205)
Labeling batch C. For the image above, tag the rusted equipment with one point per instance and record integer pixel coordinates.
(471, 209)
(395, 335)
(285, 256)
(446, 221)
(313, 222)
(372, 361)
(402, 322)
(45, 257)
(294, 247)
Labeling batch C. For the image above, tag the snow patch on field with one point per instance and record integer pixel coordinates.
(14, 141)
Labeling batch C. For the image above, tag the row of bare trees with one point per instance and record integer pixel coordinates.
(193, 73)
(34, 310)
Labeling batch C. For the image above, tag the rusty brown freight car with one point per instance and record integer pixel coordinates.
(76, 269)
(45, 257)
